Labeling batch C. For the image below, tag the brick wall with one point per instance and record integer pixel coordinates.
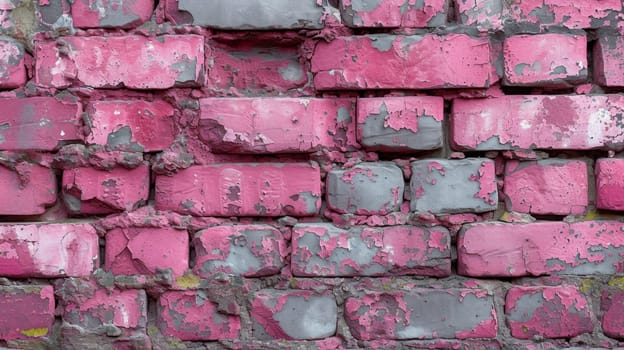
(353, 174)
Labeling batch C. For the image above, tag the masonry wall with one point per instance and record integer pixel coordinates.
(354, 174)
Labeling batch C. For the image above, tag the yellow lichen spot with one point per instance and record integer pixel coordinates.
(34, 332)
(188, 281)
(293, 282)
(617, 282)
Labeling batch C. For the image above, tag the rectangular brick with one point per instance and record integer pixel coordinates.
(12, 67)
(242, 189)
(612, 307)
(607, 54)
(188, 315)
(545, 59)
(242, 250)
(111, 14)
(27, 311)
(277, 125)
(147, 251)
(293, 314)
(102, 62)
(383, 61)
(325, 250)
(536, 14)
(48, 250)
(38, 123)
(400, 123)
(31, 188)
(422, 314)
(453, 186)
(131, 125)
(365, 189)
(393, 13)
(540, 248)
(609, 183)
(581, 122)
(550, 312)
(550, 186)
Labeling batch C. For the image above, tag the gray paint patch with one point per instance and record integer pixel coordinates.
(364, 5)
(292, 72)
(314, 318)
(382, 42)
(525, 306)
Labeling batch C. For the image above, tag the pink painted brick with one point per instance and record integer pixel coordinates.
(48, 250)
(94, 191)
(393, 13)
(38, 123)
(400, 123)
(609, 183)
(12, 68)
(242, 189)
(255, 68)
(111, 14)
(513, 250)
(608, 66)
(550, 312)
(293, 314)
(545, 59)
(31, 188)
(325, 250)
(27, 311)
(101, 62)
(580, 122)
(563, 13)
(483, 14)
(243, 250)
(131, 125)
(422, 314)
(386, 61)
(612, 307)
(453, 186)
(134, 251)
(189, 315)
(550, 186)
(277, 125)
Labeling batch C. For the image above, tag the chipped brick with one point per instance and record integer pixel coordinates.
(609, 183)
(27, 311)
(111, 14)
(393, 13)
(32, 188)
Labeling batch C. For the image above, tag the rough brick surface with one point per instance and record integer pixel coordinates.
(393, 13)
(27, 311)
(612, 306)
(551, 186)
(245, 250)
(534, 14)
(111, 14)
(422, 314)
(293, 314)
(538, 122)
(31, 187)
(12, 67)
(551, 312)
(450, 186)
(251, 189)
(505, 250)
(401, 62)
(48, 250)
(608, 66)
(609, 184)
(483, 14)
(400, 123)
(326, 250)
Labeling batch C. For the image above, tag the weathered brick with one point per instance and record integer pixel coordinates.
(293, 314)
(400, 123)
(102, 62)
(511, 250)
(38, 123)
(384, 61)
(189, 315)
(133, 251)
(550, 312)
(482, 14)
(244, 250)
(48, 250)
(393, 13)
(550, 186)
(545, 59)
(27, 311)
(325, 250)
(31, 188)
(609, 183)
(131, 125)
(236, 189)
(111, 14)
(453, 186)
(367, 188)
(612, 307)
(12, 68)
(250, 14)
(277, 125)
(422, 314)
(608, 67)
(580, 122)
(533, 14)
(94, 191)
